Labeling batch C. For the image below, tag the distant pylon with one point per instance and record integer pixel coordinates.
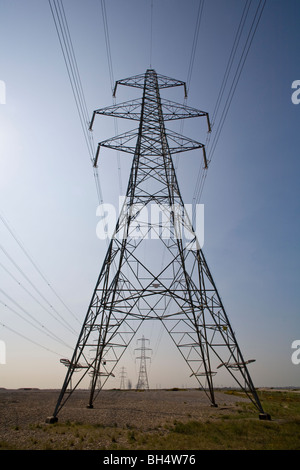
(154, 268)
(122, 376)
(142, 383)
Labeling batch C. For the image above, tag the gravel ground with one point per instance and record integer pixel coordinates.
(23, 412)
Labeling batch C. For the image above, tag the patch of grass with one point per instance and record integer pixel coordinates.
(131, 436)
(234, 434)
(279, 404)
(238, 431)
(4, 445)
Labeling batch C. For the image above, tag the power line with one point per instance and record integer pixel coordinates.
(194, 45)
(30, 340)
(30, 258)
(191, 63)
(75, 66)
(151, 32)
(112, 81)
(32, 284)
(32, 296)
(107, 42)
(65, 41)
(238, 72)
(231, 57)
(72, 69)
(42, 328)
(64, 37)
(202, 176)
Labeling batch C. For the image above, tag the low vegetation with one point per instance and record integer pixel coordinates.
(233, 431)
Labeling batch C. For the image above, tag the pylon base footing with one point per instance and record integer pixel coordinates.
(51, 419)
(264, 416)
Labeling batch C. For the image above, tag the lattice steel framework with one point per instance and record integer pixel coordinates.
(166, 279)
(143, 383)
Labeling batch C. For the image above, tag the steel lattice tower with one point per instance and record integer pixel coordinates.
(142, 383)
(173, 285)
(123, 377)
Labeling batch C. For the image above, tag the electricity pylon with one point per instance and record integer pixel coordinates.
(122, 376)
(142, 383)
(154, 267)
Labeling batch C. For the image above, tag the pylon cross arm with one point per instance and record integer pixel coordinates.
(132, 110)
(126, 110)
(138, 81)
(126, 142)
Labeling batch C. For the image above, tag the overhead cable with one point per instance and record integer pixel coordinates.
(247, 45)
(64, 36)
(30, 340)
(33, 285)
(112, 82)
(34, 264)
(238, 72)
(41, 327)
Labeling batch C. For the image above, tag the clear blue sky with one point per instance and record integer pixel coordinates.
(48, 192)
